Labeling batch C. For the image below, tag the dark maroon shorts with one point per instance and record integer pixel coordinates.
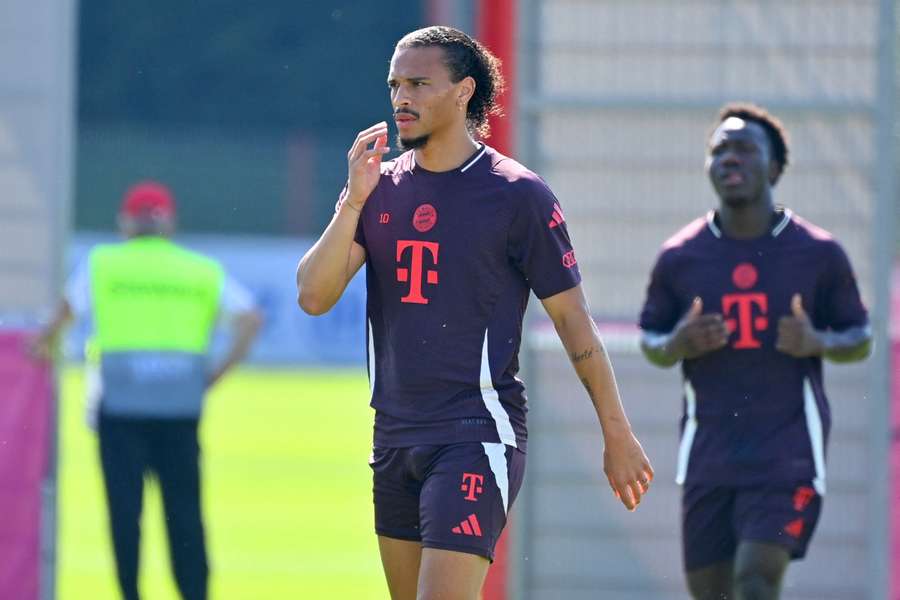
(716, 519)
(451, 497)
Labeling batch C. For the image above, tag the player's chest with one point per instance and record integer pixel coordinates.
(426, 241)
(751, 289)
(460, 231)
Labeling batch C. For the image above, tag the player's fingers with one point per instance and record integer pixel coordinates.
(722, 335)
(374, 152)
(370, 129)
(715, 336)
(637, 490)
(783, 343)
(365, 138)
(696, 309)
(797, 306)
(707, 320)
(643, 481)
(627, 497)
(363, 143)
(359, 135)
(717, 328)
(612, 486)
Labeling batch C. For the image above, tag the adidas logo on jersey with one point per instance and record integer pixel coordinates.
(557, 218)
(469, 526)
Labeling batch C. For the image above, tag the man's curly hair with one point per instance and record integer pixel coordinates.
(465, 57)
(775, 131)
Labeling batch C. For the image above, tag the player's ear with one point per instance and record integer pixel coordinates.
(465, 90)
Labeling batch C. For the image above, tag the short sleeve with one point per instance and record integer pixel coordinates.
(359, 237)
(78, 290)
(539, 244)
(661, 311)
(235, 300)
(843, 307)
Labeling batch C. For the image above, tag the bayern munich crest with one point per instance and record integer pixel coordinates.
(424, 218)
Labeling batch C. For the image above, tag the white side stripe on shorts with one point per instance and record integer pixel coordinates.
(816, 434)
(690, 430)
(496, 454)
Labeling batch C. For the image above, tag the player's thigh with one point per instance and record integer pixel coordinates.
(467, 492)
(395, 492)
(783, 515)
(707, 531)
(451, 575)
(713, 582)
(400, 560)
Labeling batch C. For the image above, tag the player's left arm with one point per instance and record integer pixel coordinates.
(799, 338)
(841, 331)
(627, 468)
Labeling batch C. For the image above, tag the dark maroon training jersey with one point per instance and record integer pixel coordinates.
(753, 414)
(450, 260)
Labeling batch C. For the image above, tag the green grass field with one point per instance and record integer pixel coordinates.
(287, 494)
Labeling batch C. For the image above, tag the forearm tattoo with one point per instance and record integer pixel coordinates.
(577, 357)
(587, 386)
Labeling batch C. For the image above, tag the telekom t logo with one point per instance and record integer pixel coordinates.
(413, 274)
(472, 484)
(746, 323)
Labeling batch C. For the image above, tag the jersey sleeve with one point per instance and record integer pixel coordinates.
(842, 306)
(661, 310)
(77, 292)
(539, 243)
(359, 237)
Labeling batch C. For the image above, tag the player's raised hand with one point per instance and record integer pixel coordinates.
(627, 468)
(364, 164)
(698, 334)
(796, 334)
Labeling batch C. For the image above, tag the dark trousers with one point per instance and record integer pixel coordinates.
(131, 449)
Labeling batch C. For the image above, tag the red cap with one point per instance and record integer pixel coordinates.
(148, 199)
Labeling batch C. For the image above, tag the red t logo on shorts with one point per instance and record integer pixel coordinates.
(472, 485)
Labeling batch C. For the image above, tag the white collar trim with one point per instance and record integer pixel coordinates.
(467, 165)
(776, 231)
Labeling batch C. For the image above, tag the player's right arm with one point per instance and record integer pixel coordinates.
(327, 268)
(670, 333)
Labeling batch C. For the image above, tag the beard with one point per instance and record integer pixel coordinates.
(412, 143)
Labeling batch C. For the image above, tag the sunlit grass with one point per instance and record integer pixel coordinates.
(287, 494)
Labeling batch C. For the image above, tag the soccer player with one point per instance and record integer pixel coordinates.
(454, 236)
(750, 299)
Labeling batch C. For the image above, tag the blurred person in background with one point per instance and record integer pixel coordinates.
(154, 306)
(750, 299)
(454, 237)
